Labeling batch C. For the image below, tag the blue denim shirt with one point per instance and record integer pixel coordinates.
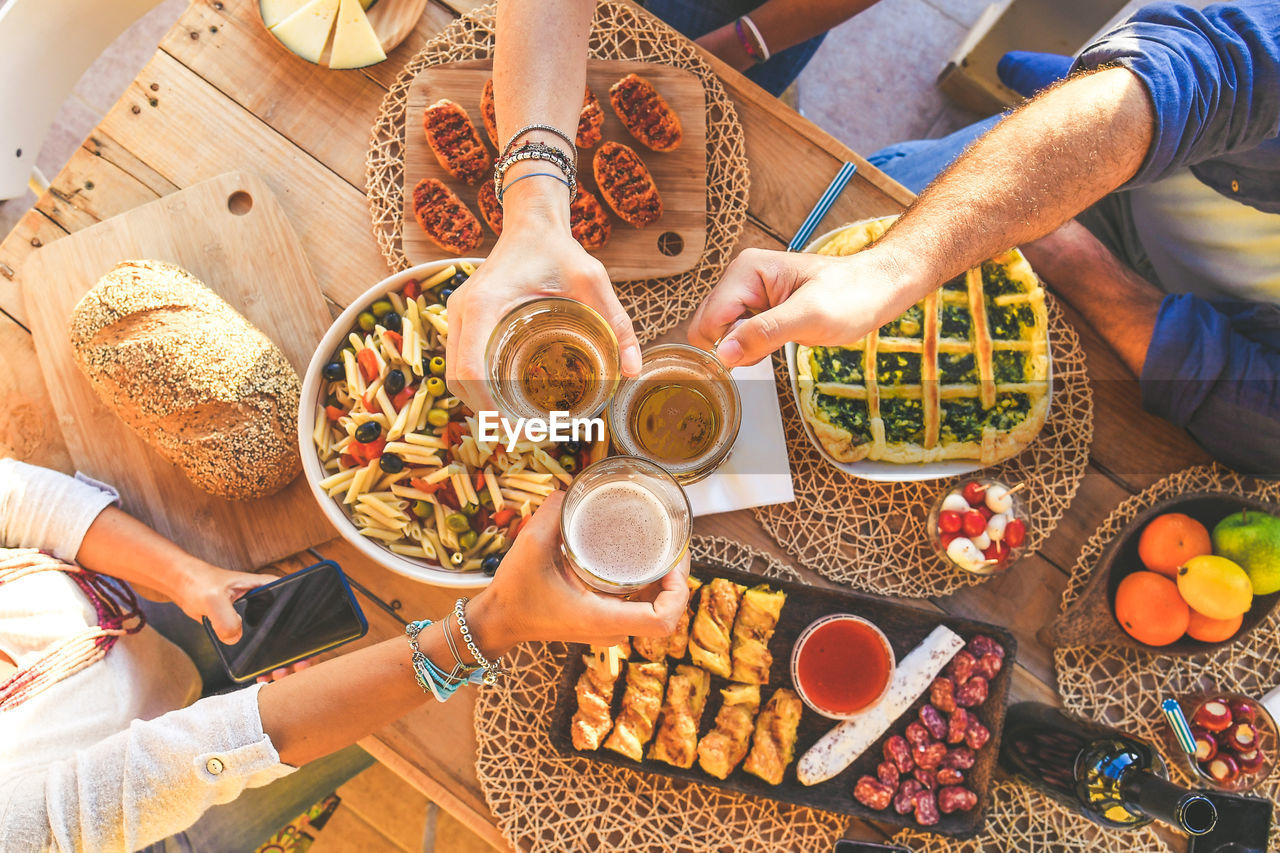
(1214, 78)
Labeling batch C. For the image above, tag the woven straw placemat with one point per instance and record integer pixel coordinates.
(1123, 687)
(1025, 820)
(546, 801)
(618, 32)
(872, 535)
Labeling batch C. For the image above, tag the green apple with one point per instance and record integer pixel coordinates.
(1252, 539)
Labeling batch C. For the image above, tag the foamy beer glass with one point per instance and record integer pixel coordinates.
(552, 355)
(625, 523)
(682, 411)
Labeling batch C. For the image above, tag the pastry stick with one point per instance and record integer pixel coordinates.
(676, 742)
(709, 640)
(592, 721)
(726, 745)
(752, 631)
(640, 704)
(674, 644)
(774, 742)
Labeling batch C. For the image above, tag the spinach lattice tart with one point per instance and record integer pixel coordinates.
(962, 374)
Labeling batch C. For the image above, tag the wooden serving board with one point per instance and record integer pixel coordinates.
(905, 626)
(231, 233)
(681, 175)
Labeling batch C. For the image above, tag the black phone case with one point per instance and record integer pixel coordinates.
(351, 598)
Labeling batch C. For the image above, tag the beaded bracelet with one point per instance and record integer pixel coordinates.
(506, 186)
(537, 151)
(459, 666)
(430, 677)
(754, 46)
(491, 670)
(529, 128)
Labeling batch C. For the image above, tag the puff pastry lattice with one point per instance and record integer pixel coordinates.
(963, 374)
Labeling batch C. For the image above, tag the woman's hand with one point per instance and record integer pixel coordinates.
(814, 300)
(208, 591)
(536, 256)
(535, 597)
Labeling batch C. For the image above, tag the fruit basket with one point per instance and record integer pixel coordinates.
(1209, 585)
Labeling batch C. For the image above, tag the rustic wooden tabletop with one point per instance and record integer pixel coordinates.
(220, 94)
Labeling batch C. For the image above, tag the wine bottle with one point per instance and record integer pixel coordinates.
(1110, 777)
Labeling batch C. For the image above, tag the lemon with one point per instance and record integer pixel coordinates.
(1215, 587)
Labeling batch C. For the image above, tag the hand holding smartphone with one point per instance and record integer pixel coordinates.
(300, 615)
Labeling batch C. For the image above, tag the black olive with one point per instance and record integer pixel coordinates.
(334, 371)
(570, 446)
(368, 431)
(458, 278)
(394, 382)
(490, 564)
(445, 294)
(391, 322)
(390, 463)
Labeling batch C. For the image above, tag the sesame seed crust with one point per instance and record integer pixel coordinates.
(193, 377)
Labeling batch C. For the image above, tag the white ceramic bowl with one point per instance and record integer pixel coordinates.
(312, 387)
(884, 472)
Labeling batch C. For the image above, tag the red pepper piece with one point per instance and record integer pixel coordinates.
(503, 516)
(396, 340)
(368, 362)
(403, 397)
(333, 412)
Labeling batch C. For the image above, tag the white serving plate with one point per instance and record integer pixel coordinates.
(883, 472)
(420, 570)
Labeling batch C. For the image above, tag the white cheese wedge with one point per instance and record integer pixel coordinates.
(275, 11)
(306, 31)
(355, 44)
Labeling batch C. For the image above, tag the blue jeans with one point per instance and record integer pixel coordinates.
(246, 822)
(696, 18)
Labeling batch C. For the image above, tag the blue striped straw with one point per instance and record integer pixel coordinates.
(1178, 722)
(820, 209)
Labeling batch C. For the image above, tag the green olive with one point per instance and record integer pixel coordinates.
(486, 499)
(569, 463)
(366, 321)
(437, 417)
(422, 509)
(470, 509)
(457, 522)
(435, 386)
(382, 306)
(436, 365)
(468, 539)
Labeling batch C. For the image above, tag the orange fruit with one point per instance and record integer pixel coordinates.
(1209, 630)
(1150, 609)
(1169, 540)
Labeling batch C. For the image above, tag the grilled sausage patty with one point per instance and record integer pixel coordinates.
(445, 218)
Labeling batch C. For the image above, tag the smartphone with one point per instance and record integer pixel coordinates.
(848, 846)
(300, 615)
(1242, 827)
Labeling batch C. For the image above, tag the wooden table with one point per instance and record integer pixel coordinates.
(220, 94)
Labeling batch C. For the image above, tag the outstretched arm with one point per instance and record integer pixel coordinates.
(1035, 170)
(782, 24)
(539, 73)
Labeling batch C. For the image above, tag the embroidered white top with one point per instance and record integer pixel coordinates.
(114, 757)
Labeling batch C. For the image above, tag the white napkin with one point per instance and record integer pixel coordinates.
(757, 471)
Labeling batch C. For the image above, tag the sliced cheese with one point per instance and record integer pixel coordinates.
(306, 31)
(275, 11)
(355, 44)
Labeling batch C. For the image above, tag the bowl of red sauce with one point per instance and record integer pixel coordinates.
(842, 666)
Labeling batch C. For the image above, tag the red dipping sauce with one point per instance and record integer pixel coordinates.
(842, 665)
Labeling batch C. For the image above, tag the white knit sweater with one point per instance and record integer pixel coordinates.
(103, 760)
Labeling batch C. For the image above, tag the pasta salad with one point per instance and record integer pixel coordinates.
(400, 453)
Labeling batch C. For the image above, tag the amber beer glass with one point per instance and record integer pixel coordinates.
(624, 524)
(552, 355)
(682, 411)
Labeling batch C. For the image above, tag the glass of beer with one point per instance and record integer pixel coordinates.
(682, 411)
(552, 355)
(625, 523)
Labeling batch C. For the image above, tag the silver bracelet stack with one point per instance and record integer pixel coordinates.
(491, 670)
(512, 154)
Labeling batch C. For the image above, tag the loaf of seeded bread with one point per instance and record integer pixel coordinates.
(191, 376)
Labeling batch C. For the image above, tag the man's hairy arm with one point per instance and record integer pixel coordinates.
(1048, 161)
